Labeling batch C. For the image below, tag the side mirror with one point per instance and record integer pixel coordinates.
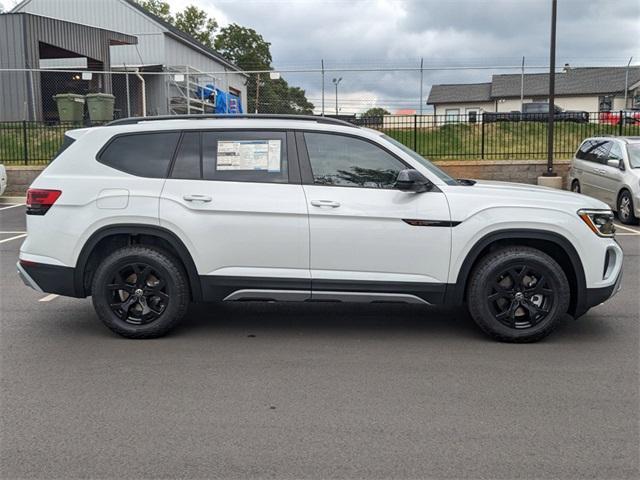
(412, 181)
(614, 162)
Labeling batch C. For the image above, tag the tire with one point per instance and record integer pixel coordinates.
(625, 208)
(575, 186)
(518, 294)
(140, 292)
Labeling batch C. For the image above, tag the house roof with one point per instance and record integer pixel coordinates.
(575, 81)
(465, 92)
(184, 37)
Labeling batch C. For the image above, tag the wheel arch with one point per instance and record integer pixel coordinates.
(552, 243)
(114, 236)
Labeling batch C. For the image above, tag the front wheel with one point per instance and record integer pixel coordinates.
(140, 292)
(518, 294)
(625, 209)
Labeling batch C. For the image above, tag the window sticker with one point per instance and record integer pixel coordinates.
(249, 155)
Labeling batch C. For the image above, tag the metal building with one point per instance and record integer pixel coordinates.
(26, 40)
(187, 64)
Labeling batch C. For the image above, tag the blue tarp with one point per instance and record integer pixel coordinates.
(225, 102)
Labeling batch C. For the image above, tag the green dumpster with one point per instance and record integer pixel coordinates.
(100, 106)
(70, 107)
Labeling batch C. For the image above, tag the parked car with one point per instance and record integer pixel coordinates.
(608, 168)
(3, 179)
(631, 117)
(245, 208)
(537, 112)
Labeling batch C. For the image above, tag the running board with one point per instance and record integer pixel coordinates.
(321, 296)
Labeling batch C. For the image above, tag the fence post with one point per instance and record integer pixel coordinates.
(482, 139)
(621, 122)
(25, 150)
(415, 133)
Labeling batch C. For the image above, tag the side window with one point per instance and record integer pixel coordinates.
(249, 156)
(616, 152)
(141, 154)
(346, 161)
(187, 164)
(594, 151)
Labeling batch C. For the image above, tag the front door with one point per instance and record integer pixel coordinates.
(234, 199)
(366, 236)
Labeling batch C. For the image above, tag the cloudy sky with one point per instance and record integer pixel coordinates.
(397, 33)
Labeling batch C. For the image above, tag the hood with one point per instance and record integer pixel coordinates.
(504, 194)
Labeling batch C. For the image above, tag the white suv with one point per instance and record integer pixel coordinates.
(147, 215)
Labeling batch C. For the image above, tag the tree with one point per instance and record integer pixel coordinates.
(250, 51)
(197, 23)
(191, 20)
(159, 8)
(245, 47)
(376, 112)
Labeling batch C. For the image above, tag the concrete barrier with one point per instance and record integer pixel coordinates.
(520, 171)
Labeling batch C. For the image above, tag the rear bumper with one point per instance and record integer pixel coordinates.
(48, 278)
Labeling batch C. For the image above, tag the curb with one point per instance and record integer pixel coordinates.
(12, 200)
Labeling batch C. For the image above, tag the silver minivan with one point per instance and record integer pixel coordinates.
(608, 168)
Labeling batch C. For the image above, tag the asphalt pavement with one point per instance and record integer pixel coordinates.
(314, 391)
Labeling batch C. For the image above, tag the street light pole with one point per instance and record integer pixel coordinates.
(552, 89)
(336, 82)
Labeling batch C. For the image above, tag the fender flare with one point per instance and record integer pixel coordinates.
(456, 291)
(135, 229)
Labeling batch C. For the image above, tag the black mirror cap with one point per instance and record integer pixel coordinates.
(411, 180)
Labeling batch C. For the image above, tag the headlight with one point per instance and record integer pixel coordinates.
(599, 221)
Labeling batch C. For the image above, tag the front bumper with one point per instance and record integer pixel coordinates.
(596, 296)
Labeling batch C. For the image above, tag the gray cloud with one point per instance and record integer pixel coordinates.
(384, 33)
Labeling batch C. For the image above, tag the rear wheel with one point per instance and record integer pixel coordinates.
(518, 294)
(625, 208)
(140, 292)
(575, 186)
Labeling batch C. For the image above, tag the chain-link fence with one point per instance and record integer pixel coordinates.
(38, 105)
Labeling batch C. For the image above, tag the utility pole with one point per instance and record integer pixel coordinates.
(626, 89)
(421, 81)
(257, 91)
(552, 89)
(322, 67)
(522, 86)
(336, 82)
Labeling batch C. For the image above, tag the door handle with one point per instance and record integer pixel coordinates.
(197, 198)
(325, 203)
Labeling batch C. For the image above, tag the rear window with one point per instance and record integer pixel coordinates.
(67, 141)
(141, 154)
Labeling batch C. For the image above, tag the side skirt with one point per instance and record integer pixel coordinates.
(222, 288)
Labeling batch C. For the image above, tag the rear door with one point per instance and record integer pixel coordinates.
(593, 155)
(236, 200)
(366, 236)
(610, 178)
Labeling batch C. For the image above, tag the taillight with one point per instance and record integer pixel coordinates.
(40, 201)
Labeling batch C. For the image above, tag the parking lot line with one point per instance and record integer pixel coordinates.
(637, 232)
(15, 233)
(48, 298)
(13, 238)
(12, 206)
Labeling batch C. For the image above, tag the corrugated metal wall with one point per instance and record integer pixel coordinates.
(13, 90)
(112, 15)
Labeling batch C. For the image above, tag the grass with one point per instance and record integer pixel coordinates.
(41, 142)
(456, 141)
(502, 141)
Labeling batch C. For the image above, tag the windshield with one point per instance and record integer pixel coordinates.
(634, 155)
(423, 161)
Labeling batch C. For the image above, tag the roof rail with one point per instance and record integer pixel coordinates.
(260, 116)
